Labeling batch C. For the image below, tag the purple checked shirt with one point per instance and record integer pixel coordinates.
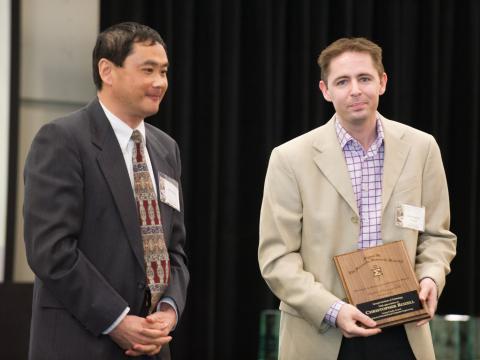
(365, 169)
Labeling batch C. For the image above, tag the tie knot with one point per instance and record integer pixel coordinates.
(137, 137)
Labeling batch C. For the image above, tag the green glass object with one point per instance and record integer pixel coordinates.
(456, 337)
(269, 327)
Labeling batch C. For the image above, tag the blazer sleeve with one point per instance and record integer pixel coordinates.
(53, 215)
(436, 245)
(179, 274)
(280, 262)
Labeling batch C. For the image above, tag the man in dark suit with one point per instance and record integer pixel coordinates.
(111, 275)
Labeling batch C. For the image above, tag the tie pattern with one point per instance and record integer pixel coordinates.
(157, 263)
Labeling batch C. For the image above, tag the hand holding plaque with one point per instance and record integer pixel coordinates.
(381, 283)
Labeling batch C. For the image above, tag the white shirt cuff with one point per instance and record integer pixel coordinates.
(116, 322)
(168, 300)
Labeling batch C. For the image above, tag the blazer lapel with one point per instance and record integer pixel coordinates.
(331, 162)
(396, 153)
(158, 157)
(112, 164)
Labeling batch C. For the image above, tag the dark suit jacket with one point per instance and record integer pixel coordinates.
(83, 237)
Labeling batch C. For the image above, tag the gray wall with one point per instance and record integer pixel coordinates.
(57, 38)
(4, 121)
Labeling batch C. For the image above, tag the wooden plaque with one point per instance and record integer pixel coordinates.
(381, 283)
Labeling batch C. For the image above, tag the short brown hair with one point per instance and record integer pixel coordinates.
(343, 45)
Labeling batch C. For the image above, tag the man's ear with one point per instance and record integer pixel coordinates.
(383, 83)
(105, 68)
(324, 88)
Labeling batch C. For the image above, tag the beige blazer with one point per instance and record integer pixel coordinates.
(309, 214)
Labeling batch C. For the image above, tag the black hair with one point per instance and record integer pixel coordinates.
(116, 43)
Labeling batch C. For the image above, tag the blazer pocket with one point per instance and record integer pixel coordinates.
(47, 300)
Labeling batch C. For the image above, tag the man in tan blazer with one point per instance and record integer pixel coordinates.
(336, 189)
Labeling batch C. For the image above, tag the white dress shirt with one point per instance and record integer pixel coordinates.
(123, 132)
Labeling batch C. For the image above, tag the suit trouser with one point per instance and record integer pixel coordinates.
(390, 344)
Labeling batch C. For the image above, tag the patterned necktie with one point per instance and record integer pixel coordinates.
(157, 263)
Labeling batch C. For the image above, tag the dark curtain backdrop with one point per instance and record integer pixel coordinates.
(243, 79)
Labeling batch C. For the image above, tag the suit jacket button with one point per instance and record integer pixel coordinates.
(354, 219)
(141, 285)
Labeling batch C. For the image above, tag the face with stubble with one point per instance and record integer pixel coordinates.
(354, 86)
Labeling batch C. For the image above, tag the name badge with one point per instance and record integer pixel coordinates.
(410, 217)
(168, 191)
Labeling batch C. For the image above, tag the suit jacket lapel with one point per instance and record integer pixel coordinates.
(396, 153)
(112, 164)
(158, 153)
(331, 162)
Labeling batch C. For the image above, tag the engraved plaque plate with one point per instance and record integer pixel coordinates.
(381, 283)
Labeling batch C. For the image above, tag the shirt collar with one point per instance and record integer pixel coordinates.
(122, 131)
(344, 137)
